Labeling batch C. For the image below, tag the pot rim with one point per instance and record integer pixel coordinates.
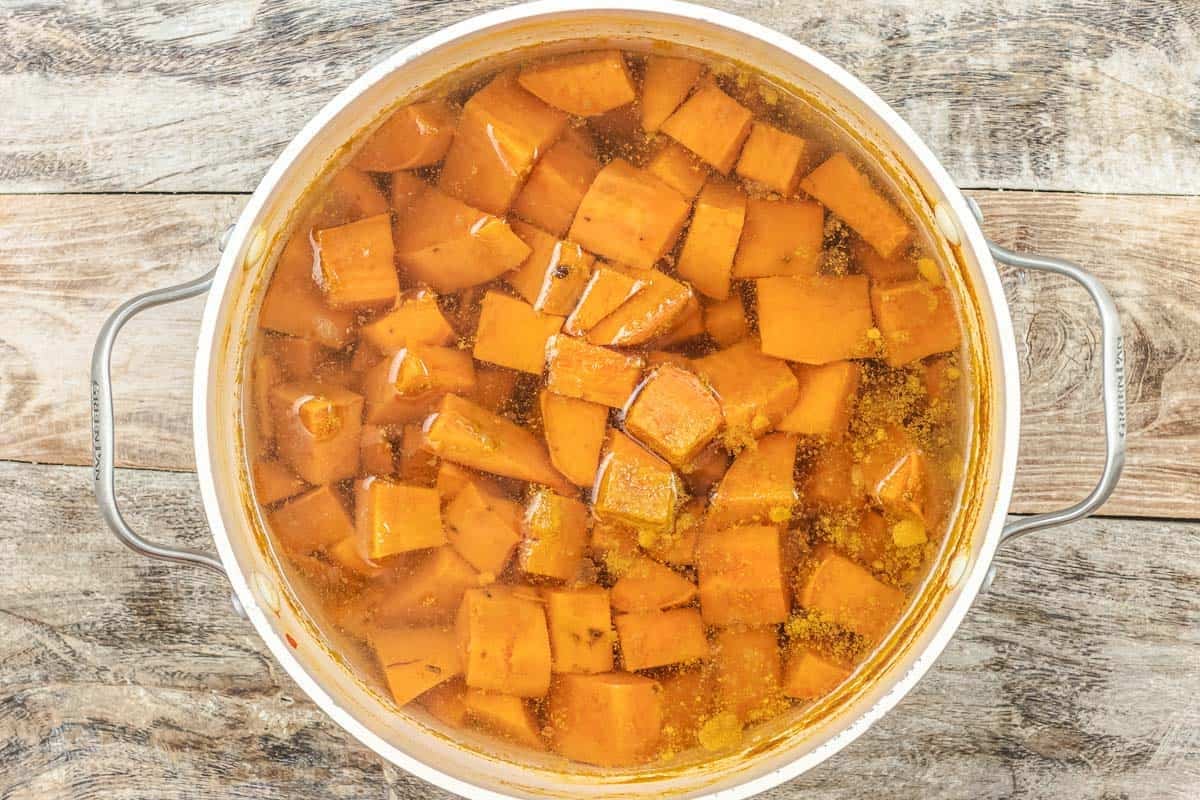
(245, 238)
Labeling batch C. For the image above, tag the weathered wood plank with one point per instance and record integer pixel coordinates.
(1083, 95)
(1076, 677)
(69, 260)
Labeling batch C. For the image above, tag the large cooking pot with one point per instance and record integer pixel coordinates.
(784, 748)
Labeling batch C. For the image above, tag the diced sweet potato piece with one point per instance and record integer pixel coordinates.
(377, 450)
(596, 374)
(350, 194)
(827, 395)
(554, 275)
(848, 193)
(882, 270)
(416, 319)
(748, 671)
(447, 703)
(941, 377)
(502, 132)
(773, 158)
(605, 292)
(349, 554)
(667, 82)
(415, 464)
(452, 479)
(299, 358)
(831, 483)
(706, 469)
(687, 700)
(512, 334)
(311, 521)
(679, 169)
(872, 540)
(264, 375)
(808, 676)
(646, 585)
(726, 321)
(394, 518)
(557, 185)
(678, 547)
(674, 414)
(741, 576)
(712, 125)
(574, 431)
(581, 634)
(450, 245)
(635, 486)
(759, 484)
(414, 660)
(293, 304)
(688, 325)
(896, 474)
(405, 386)
(780, 237)
(274, 482)
(585, 84)
(848, 595)
(614, 546)
(629, 215)
(711, 244)
(466, 434)
(430, 590)
(649, 313)
(505, 715)
(658, 638)
(504, 643)
(356, 264)
(555, 536)
(404, 191)
(755, 390)
(317, 428)
(612, 719)
(416, 135)
(483, 528)
(815, 319)
(660, 358)
(916, 319)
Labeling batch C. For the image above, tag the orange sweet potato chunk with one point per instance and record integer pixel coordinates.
(317, 427)
(467, 434)
(635, 486)
(554, 275)
(348, 554)
(264, 375)
(678, 547)
(850, 596)
(758, 485)
(712, 239)
(585, 84)
(773, 158)
(504, 643)
(502, 132)
(429, 590)
(449, 245)
(574, 432)
(293, 304)
(651, 312)
(404, 191)
(417, 135)
(299, 358)
(605, 292)
(741, 576)
(674, 414)
(646, 585)
(405, 386)
(452, 479)
(827, 394)
(897, 475)
(393, 518)
(613, 719)
(688, 325)
(755, 390)
(658, 638)
(667, 82)
(505, 715)
(831, 482)
(809, 676)
(848, 193)
(749, 672)
(311, 521)
(416, 319)
(882, 270)
(706, 469)
(629, 215)
(679, 169)
(726, 322)
(274, 482)
(512, 334)
(414, 660)
(585, 371)
(712, 125)
(554, 536)
(483, 528)
(815, 319)
(447, 703)
(688, 700)
(780, 237)
(557, 184)
(916, 319)
(494, 387)
(581, 633)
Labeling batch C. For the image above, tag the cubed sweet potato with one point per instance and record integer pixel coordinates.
(815, 319)
(940, 377)
(712, 239)
(311, 521)
(293, 304)
(748, 671)
(613, 719)
(415, 464)
(557, 184)
(494, 388)
(726, 321)
(741, 576)
(511, 334)
(614, 546)
(317, 428)
(774, 158)
(849, 595)
(706, 469)
(274, 482)
(414, 660)
(299, 358)
(674, 414)
(505, 715)
(265, 373)
(406, 386)
(484, 528)
(429, 590)
(649, 313)
(348, 553)
(658, 638)
(883, 270)
(605, 292)
(688, 699)
(827, 394)
(646, 585)
(635, 486)
(679, 169)
(555, 274)
(502, 132)
(780, 237)
(848, 193)
(393, 518)
(755, 390)
(446, 703)
(581, 633)
(350, 194)
(688, 325)
(585, 371)
(916, 319)
(584, 84)
(377, 450)
(896, 472)
(416, 135)
(809, 676)
(504, 643)
(405, 188)
(574, 432)
(356, 266)
(415, 320)
(712, 125)
(629, 215)
(830, 482)
(678, 547)
(452, 479)
(758, 487)
(667, 82)
(554, 535)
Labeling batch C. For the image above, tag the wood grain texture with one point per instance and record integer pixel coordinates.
(1080, 95)
(70, 260)
(1076, 677)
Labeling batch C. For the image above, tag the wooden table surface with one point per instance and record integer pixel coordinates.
(130, 135)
